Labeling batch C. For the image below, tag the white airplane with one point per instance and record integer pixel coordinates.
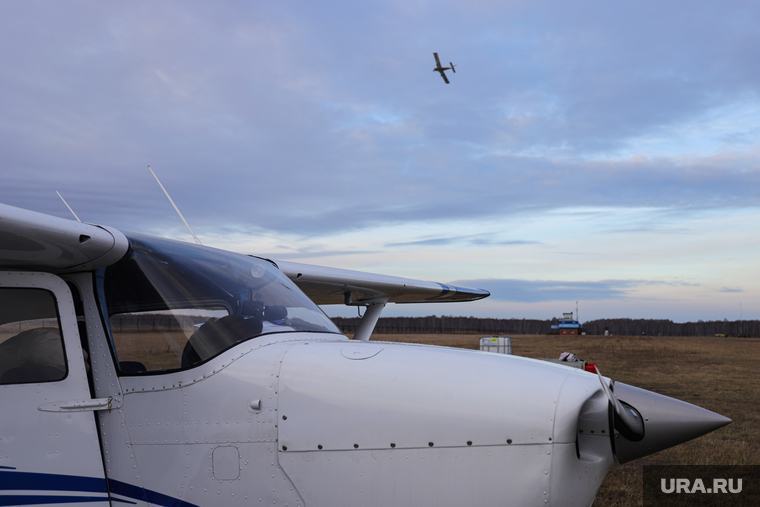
(141, 371)
(441, 69)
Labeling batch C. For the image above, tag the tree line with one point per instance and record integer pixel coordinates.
(664, 327)
(629, 327)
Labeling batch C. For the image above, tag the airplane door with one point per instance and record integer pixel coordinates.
(49, 447)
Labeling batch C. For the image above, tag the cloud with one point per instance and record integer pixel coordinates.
(307, 120)
(537, 291)
(311, 254)
(314, 124)
(463, 240)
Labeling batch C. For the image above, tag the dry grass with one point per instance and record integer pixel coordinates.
(719, 374)
(157, 350)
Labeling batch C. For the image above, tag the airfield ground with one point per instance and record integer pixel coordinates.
(720, 374)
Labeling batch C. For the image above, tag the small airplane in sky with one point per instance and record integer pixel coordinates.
(145, 371)
(440, 69)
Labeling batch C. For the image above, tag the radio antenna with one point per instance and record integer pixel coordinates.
(197, 241)
(67, 205)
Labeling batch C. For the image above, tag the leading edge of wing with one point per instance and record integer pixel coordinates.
(35, 241)
(326, 286)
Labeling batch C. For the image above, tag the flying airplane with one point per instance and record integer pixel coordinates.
(440, 69)
(137, 370)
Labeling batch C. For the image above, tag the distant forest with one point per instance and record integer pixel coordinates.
(626, 327)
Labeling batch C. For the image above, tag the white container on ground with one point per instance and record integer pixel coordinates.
(498, 344)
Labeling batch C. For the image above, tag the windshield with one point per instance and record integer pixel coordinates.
(172, 305)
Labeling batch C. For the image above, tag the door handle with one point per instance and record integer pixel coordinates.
(82, 405)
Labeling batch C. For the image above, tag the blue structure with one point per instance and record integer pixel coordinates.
(567, 325)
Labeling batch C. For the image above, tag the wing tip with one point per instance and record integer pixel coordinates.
(455, 293)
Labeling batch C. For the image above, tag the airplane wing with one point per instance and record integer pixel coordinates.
(443, 75)
(34, 241)
(327, 286)
(437, 61)
(39, 242)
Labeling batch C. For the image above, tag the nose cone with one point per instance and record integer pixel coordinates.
(667, 422)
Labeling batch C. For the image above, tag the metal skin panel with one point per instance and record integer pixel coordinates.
(412, 396)
(186, 472)
(415, 425)
(594, 434)
(578, 472)
(231, 398)
(313, 388)
(50, 453)
(221, 408)
(464, 476)
(574, 482)
(576, 393)
(182, 425)
(154, 417)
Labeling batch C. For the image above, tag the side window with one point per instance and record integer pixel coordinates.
(160, 340)
(31, 347)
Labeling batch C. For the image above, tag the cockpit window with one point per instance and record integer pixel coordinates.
(31, 348)
(173, 305)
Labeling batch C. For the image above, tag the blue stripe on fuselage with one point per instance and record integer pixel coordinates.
(51, 482)
(146, 495)
(47, 499)
(32, 481)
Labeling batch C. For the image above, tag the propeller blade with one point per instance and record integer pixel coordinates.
(627, 420)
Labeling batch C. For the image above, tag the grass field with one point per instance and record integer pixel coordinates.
(719, 374)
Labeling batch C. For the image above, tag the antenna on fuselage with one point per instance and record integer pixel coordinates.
(197, 241)
(67, 205)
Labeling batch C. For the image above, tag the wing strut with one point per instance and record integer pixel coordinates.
(368, 322)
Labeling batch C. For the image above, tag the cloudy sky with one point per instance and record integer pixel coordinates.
(604, 152)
